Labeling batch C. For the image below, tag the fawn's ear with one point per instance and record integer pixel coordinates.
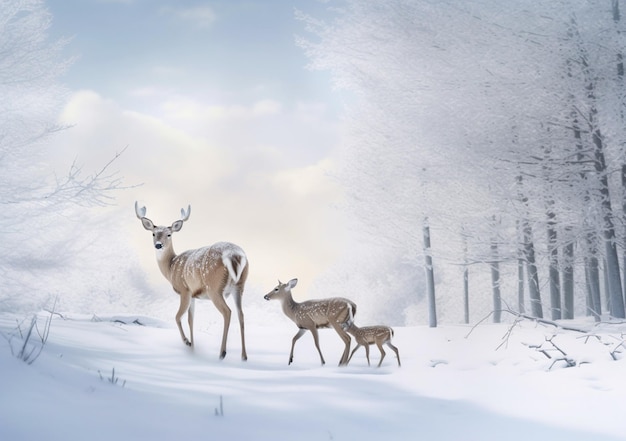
(147, 223)
(292, 283)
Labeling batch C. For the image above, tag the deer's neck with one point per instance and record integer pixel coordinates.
(165, 257)
(290, 306)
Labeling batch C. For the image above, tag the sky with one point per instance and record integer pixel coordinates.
(217, 109)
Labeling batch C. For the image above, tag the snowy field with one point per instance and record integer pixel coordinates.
(490, 385)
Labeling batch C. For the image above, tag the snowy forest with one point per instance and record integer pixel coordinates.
(483, 158)
(486, 142)
(482, 166)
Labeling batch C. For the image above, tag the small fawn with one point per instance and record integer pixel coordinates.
(369, 335)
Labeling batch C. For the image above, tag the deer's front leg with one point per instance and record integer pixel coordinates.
(185, 303)
(293, 343)
(382, 353)
(358, 345)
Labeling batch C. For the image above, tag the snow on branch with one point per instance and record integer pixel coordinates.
(91, 190)
(616, 344)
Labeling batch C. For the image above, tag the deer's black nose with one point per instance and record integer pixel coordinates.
(158, 245)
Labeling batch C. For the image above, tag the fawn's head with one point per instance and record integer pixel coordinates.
(282, 290)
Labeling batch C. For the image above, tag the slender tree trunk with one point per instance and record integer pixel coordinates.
(495, 282)
(624, 231)
(520, 272)
(622, 91)
(532, 273)
(534, 292)
(568, 280)
(466, 311)
(614, 285)
(520, 286)
(553, 252)
(605, 274)
(430, 276)
(592, 277)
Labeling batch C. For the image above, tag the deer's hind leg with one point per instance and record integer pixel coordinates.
(238, 294)
(394, 349)
(346, 339)
(222, 307)
(316, 340)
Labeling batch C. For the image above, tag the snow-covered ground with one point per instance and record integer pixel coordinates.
(488, 385)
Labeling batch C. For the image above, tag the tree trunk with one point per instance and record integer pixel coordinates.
(466, 312)
(568, 280)
(531, 270)
(520, 286)
(614, 285)
(520, 271)
(529, 256)
(592, 277)
(553, 252)
(624, 222)
(495, 283)
(620, 77)
(430, 277)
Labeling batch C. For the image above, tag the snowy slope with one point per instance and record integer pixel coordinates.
(451, 386)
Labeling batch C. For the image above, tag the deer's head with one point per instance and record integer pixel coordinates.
(161, 236)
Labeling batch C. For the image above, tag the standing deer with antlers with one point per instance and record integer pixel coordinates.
(311, 315)
(213, 273)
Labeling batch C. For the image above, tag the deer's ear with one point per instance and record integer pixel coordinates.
(176, 226)
(147, 223)
(292, 283)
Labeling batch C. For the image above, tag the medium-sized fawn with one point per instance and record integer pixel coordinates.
(311, 315)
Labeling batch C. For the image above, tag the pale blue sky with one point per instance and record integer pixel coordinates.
(217, 107)
(233, 51)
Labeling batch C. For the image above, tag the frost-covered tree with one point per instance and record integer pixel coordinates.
(466, 112)
(44, 226)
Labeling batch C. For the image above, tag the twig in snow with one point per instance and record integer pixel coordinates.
(568, 361)
(29, 351)
(219, 411)
(112, 379)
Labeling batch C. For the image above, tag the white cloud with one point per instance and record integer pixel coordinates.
(266, 107)
(242, 189)
(183, 108)
(199, 16)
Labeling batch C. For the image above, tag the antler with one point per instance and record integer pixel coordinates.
(140, 212)
(184, 216)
